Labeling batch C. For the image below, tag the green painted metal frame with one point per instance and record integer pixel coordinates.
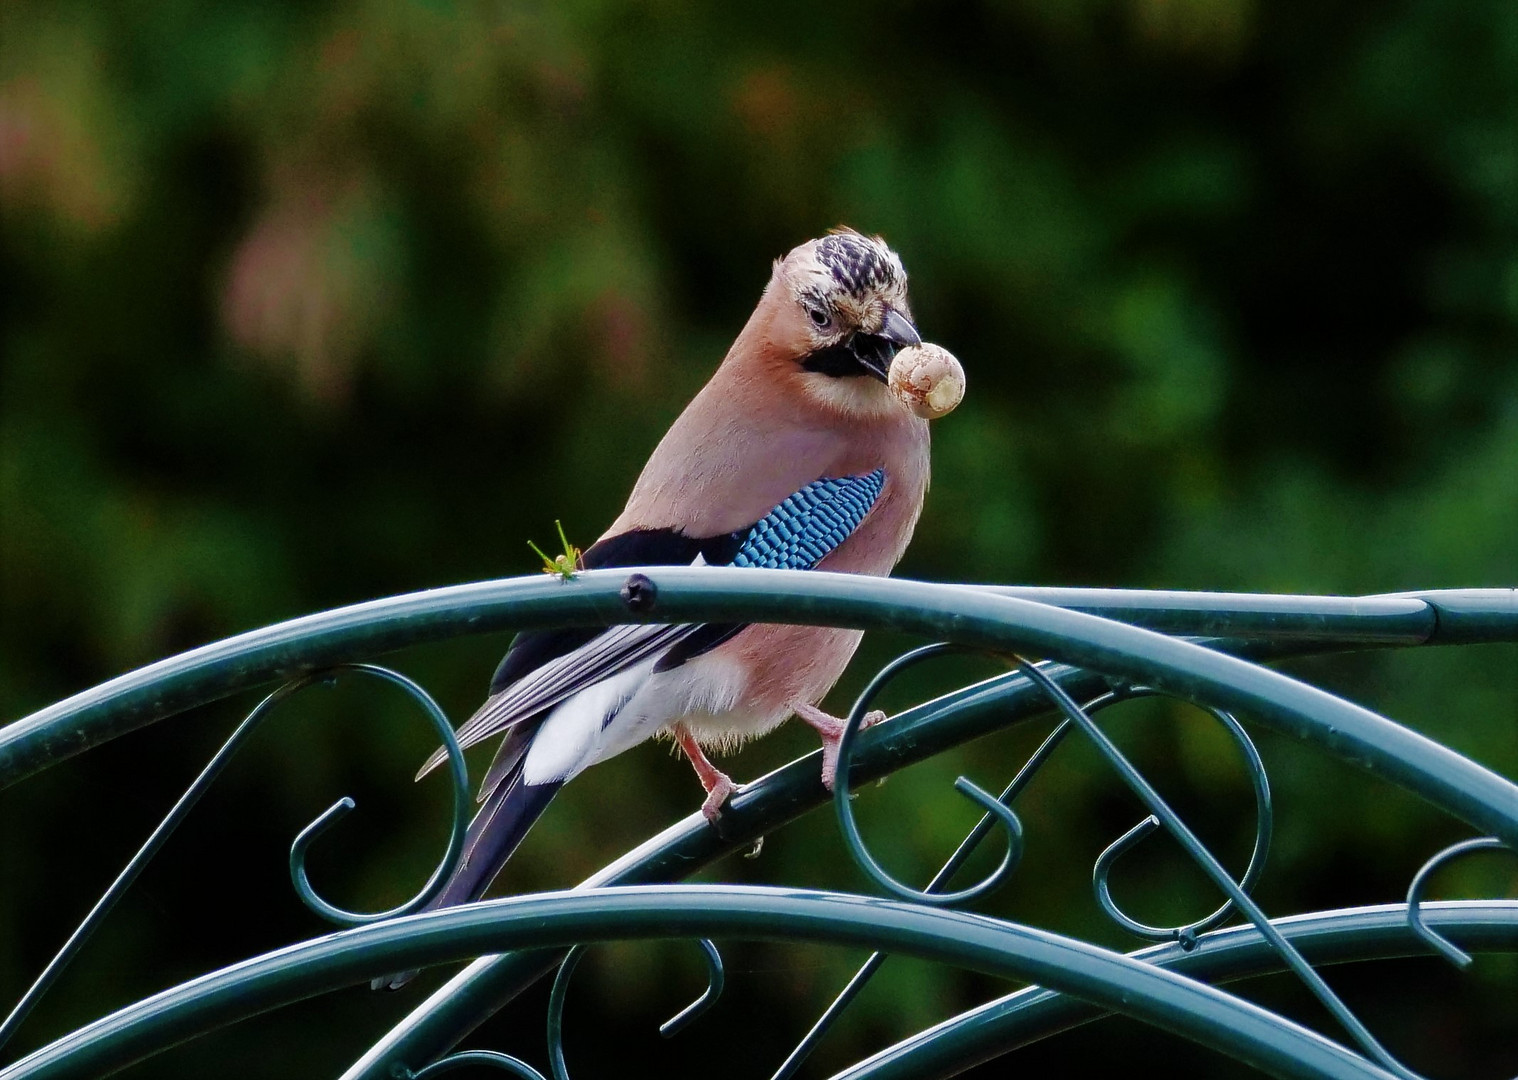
(1099, 635)
(362, 631)
(1347, 935)
(1145, 991)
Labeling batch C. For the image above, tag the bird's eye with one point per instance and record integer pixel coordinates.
(819, 316)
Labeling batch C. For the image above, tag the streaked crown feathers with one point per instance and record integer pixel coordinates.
(847, 275)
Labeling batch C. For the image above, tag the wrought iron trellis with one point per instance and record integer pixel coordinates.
(1097, 647)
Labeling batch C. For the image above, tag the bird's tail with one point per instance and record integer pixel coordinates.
(504, 819)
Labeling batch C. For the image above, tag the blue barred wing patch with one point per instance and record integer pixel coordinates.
(798, 533)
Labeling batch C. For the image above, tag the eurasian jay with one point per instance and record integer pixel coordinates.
(796, 454)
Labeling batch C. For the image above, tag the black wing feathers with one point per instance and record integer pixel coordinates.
(532, 649)
(545, 667)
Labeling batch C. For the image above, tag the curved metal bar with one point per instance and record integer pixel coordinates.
(287, 649)
(873, 963)
(1473, 605)
(1329, 937)
(492, 982)
(850, 828)
(1219, 876)
(202, 783)
(716, 979)
(556, 1012)
(138, 861)
(1264, 826)
(1450, 952)
(489, 1058)
(967, 616)
(458, 772)
(946, 872)
(489, 983)
(1145, 992)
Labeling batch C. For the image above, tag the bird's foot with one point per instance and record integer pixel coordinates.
(717, 795)
(830, 728)
(719, 786)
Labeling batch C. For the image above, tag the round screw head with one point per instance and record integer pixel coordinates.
(639, 593)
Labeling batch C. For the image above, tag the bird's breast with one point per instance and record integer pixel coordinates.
(780, 666)
(732, 456)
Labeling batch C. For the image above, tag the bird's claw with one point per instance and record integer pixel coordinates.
(831, 729)
(718, 785)
(716, 797)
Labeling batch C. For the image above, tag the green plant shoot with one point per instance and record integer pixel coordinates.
(565, 565)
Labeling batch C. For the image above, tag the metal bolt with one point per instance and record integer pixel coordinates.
(639, 593)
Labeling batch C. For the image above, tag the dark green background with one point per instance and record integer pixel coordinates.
(307, 304)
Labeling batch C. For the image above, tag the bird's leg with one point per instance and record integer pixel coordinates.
(831, 730)
(719, 786)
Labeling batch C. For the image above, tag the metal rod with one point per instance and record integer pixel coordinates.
(1378, 932)
(160, 835)
(1219, 876)
(362, 631)
(951, 866)
(556, 920)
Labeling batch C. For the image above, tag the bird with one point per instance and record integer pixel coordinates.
(795, 454)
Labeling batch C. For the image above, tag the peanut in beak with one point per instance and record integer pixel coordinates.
(928, 380)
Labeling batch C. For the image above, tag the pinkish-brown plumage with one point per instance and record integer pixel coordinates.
(761, 429)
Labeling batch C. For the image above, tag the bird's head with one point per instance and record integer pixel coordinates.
(848, 294)
(835, 314)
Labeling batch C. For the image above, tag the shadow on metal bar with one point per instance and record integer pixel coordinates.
(1115, 982)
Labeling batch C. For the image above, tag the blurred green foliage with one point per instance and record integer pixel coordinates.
(305, 304)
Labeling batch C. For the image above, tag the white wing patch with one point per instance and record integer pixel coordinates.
(603, 656)
(572, 735)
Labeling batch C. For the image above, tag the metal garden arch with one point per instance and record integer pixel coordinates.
(1071, 653)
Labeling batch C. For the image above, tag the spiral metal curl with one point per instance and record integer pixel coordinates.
(1216, 872)
(458, 773)
(716, 979)
(1121, 691)
(1446, 948)
(202, 782)
(1186, 935)
(988, 802)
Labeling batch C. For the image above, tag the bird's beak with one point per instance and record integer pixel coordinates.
(898, 329)
(875, 351)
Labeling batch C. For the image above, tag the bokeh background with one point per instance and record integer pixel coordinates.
(305, 304)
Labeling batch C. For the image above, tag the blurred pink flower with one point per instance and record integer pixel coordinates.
(621, 328)
(307, 286)
(51, 157)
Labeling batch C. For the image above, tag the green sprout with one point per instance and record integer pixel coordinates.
(564, 565)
